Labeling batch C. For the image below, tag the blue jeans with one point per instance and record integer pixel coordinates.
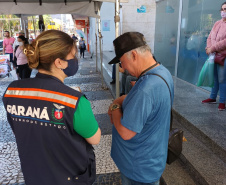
(219, 82)
(127, 181)
(11, 56)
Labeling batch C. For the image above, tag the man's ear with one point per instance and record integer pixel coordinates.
(59, 63)
(134, 55)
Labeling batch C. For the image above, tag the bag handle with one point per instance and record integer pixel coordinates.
(171, 117)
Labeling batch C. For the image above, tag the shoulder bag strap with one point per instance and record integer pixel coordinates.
(171, 118)
(20, 51)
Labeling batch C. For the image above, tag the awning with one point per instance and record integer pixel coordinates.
(81, 8)
(40, 7)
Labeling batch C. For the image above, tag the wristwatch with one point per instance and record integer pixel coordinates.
(115, 106)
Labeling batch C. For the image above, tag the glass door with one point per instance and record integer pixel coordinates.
(198, 18)
(167, 16)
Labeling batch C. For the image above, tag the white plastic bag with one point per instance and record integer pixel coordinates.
(13, 74)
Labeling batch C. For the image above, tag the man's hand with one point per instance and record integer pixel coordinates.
(116, 101)
(133, 83)
(119, 100)
(3, 50)
(110, 112)
(115, 116)
(121, 70)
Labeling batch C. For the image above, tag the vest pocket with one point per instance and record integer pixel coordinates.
(81, 179)
(89, 176)
(92, 170)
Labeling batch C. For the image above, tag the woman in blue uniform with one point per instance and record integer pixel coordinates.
(53, 124)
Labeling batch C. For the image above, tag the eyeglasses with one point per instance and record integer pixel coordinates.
(223, 9)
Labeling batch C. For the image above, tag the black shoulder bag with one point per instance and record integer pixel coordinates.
(15, 59)
(175, 135)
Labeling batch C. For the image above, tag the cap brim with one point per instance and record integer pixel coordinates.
(114, 61)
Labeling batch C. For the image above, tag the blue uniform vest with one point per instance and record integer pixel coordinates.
(40, 111)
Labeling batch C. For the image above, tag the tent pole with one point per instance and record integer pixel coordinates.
(101, 52)
(117, 21)
(96, 43)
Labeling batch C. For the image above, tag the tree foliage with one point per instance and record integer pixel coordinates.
(10, 23)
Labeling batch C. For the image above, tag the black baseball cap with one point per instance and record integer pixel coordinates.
(127, 42)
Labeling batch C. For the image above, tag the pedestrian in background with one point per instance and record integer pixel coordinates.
(82, 47)
(30, 39)
(53, 124)
(141, 119)
(74, 37)
(216, 43)
(113, 74)
(8, 45)
(16, 43)
(127, 81)
(21, 58)
(15, 46)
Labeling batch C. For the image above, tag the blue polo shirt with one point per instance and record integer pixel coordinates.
(146, 111)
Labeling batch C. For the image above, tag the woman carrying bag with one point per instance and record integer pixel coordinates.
(216, 43)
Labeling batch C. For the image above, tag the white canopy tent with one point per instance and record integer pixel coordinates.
(38, 7)
(89, 8)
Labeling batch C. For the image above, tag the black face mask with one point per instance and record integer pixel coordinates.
(72, 67)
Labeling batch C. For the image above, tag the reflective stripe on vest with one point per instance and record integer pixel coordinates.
(41, 94)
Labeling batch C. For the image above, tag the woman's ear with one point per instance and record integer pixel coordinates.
(60, 64)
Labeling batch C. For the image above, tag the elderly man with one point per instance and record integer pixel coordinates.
(141, 120)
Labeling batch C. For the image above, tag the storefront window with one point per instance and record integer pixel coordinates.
(198, 18)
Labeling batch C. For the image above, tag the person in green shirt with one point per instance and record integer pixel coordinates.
(84, 121)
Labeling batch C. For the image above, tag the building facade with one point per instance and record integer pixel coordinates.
(176, 30)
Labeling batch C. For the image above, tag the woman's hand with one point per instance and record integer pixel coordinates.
(208, 51)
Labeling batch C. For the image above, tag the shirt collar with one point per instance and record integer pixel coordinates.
(45, 76)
